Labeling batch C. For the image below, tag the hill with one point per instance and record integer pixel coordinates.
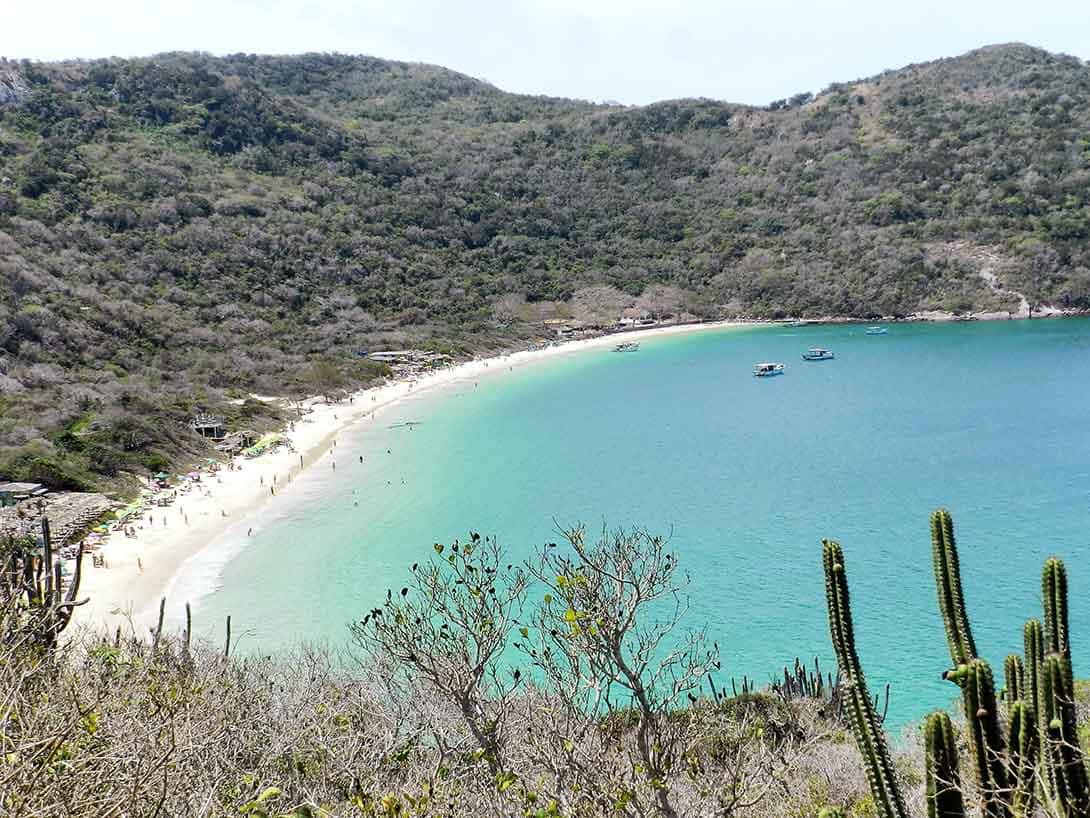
(179, 231)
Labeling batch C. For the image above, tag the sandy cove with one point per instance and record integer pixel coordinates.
(140, 568)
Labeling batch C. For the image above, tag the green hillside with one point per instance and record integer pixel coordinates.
(181, 230)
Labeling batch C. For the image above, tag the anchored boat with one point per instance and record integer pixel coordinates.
(627, 346)
(818, 354)
(767, 370)
(876, 330)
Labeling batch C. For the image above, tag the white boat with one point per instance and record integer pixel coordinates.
(767, 370)
(627, 346)
(818, 354)
(876, 330)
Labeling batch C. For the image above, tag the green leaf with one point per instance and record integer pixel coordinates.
(267, 794)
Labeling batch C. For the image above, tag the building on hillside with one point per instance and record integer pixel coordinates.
(411, 362)
(636, 317)
(208, 426)
(12, 493)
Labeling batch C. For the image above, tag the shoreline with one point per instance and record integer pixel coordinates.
(142, 569)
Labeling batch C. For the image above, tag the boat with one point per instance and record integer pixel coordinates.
(798, 322)
(767, 370)
(876, 330)
(818, 354)
(627, 346)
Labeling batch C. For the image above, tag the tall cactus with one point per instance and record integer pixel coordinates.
(944, 799)
(860, 708)
(45, 607)
(972, 674)
(944, 555)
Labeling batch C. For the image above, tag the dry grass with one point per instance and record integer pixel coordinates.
(107, 728)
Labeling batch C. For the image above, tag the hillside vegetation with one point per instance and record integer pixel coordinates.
(181, 230)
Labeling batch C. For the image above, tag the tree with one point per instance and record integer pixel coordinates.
(449, 627)
(605, 645)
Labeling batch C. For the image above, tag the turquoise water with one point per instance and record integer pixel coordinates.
(748, 474)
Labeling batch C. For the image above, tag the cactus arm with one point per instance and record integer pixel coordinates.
(1013, 678)
(943, 796)
(864, 720)
(1024, 745)
(1054, 595)
(985, 739)
(1063, 756)
(944, 554)
(1034, 651)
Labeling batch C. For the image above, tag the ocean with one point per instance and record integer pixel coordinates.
(745, 475)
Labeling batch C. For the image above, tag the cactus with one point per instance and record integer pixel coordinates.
(1014, 679)
(1041, 746)
(972, 674)
(45, 608)
(860, 708)
(944, 554)
(1063, 756)
(941, 768)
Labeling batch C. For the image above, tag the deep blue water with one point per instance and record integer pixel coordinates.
(748, 474)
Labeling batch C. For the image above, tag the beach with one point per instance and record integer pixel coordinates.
(137, 570)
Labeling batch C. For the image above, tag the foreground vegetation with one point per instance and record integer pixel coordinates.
(179, 231)
(564, 686)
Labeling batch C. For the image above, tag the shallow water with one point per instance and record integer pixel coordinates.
(749, 474)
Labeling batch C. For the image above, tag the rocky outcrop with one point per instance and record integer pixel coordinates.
(13, 87)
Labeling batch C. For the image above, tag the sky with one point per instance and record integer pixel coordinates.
(628, 51)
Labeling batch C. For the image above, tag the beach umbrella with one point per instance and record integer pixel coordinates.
(160, 475)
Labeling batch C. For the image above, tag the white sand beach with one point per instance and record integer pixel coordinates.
(138, 569)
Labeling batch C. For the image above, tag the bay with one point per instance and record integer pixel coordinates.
(746, 475)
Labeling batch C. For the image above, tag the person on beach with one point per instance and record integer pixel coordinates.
(361, 458)
(249, 531)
